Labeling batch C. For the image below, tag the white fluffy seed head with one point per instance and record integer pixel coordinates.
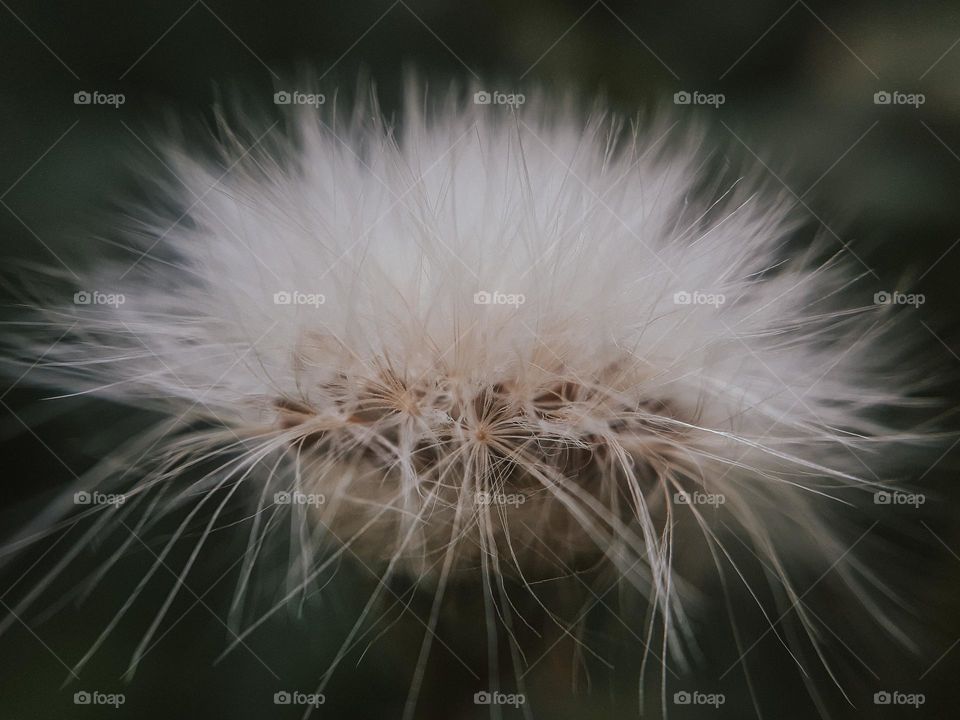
(486, 338)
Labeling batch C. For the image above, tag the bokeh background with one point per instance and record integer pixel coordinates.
(799, 82)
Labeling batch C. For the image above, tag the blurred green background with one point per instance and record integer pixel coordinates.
(799, 82)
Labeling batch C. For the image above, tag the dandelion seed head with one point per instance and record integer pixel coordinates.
(512, 339)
